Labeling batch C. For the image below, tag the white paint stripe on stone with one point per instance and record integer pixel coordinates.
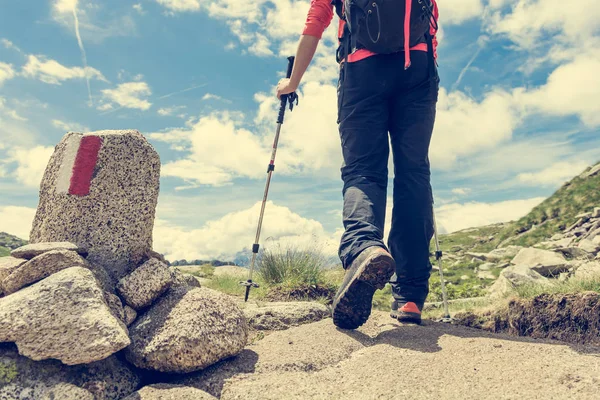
(63, 181)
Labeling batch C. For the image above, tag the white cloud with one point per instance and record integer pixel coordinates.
(10, 45)
(6, 72)
(454, 217)
(571, 89)
(139, 8)
(69, 126)
(16, 220)
(527, 21)
(210, 96)
(461, 191)
(458, 11)
(82, 13)
(169, 111)
(553, 175)
(65, 6)
(31, 164)
(10, 112)
(464, 126)
(180, 5)
(309, 141)
(54, 73)
(208, 161)
(128, 95)
(235, 231)
(259, 24)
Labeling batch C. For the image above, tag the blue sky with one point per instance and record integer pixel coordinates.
(518, 114)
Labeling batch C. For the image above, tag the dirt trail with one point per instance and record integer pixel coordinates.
(387, 360)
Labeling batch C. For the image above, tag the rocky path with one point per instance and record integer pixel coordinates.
(387, 360)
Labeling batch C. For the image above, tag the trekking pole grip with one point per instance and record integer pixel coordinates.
(291, 97)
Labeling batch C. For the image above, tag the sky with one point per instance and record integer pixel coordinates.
(518, 111)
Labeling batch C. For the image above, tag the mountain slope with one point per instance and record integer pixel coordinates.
(552, 216)
(9, 242)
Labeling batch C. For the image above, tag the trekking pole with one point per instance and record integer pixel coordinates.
(438, 257)
(285, 100)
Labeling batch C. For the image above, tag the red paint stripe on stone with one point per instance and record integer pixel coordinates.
(85, 162)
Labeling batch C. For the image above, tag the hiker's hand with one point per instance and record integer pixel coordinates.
(285, 86)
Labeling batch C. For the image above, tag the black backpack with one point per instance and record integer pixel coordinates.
(378, 25)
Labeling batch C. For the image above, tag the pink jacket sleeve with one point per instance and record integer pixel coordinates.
(319, 17)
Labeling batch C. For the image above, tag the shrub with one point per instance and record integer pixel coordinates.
(291, 266)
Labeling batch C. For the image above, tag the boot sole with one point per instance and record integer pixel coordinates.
(401, 316)
(353, 306)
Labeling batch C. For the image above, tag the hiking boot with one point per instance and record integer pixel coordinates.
(407, 312)
(370, 271)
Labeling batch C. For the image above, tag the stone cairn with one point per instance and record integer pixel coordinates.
(88, 296)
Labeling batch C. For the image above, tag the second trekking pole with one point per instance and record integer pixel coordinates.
(286, 100)
(438, 257)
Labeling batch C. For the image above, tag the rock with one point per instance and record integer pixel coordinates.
(555, 237)
(231, 270)
(464, 277)
(545, 262)
(22, 378)
(593, 171)
(555, 244)
(596, 212)
(130, 315)
(145, 284)
(187, 330)
(66, 391)
(486, 266)
(280, 316)
(158, 256)
(8, 265)
(589, 246)
(42, 267)
(485, 275)
(170, 392)
(115, 305)
(588, 270)
(593, 233)
(584, 216)
(573, 252)
(481, 256)
(575, 225)
(580, 231)
(35, 249)
(506, 252)
(515, 276)
(64, 317)
(180, 279)
(99, 192)
(596, 240)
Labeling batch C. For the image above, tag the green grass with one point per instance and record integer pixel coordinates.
(201, 271)
(571, 286)
(231, 285)
(285, 274)
(4, 252)
(291, 266)
(473, 239)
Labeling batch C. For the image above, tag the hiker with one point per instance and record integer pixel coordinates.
(382, 90)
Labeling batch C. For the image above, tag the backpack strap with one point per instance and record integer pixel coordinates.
(339, 8)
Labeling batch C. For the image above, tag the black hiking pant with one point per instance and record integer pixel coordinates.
(377, 97)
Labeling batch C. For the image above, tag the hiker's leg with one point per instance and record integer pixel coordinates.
(412, 117)
(363, 111)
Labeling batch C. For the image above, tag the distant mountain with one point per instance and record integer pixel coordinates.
(9, 242)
